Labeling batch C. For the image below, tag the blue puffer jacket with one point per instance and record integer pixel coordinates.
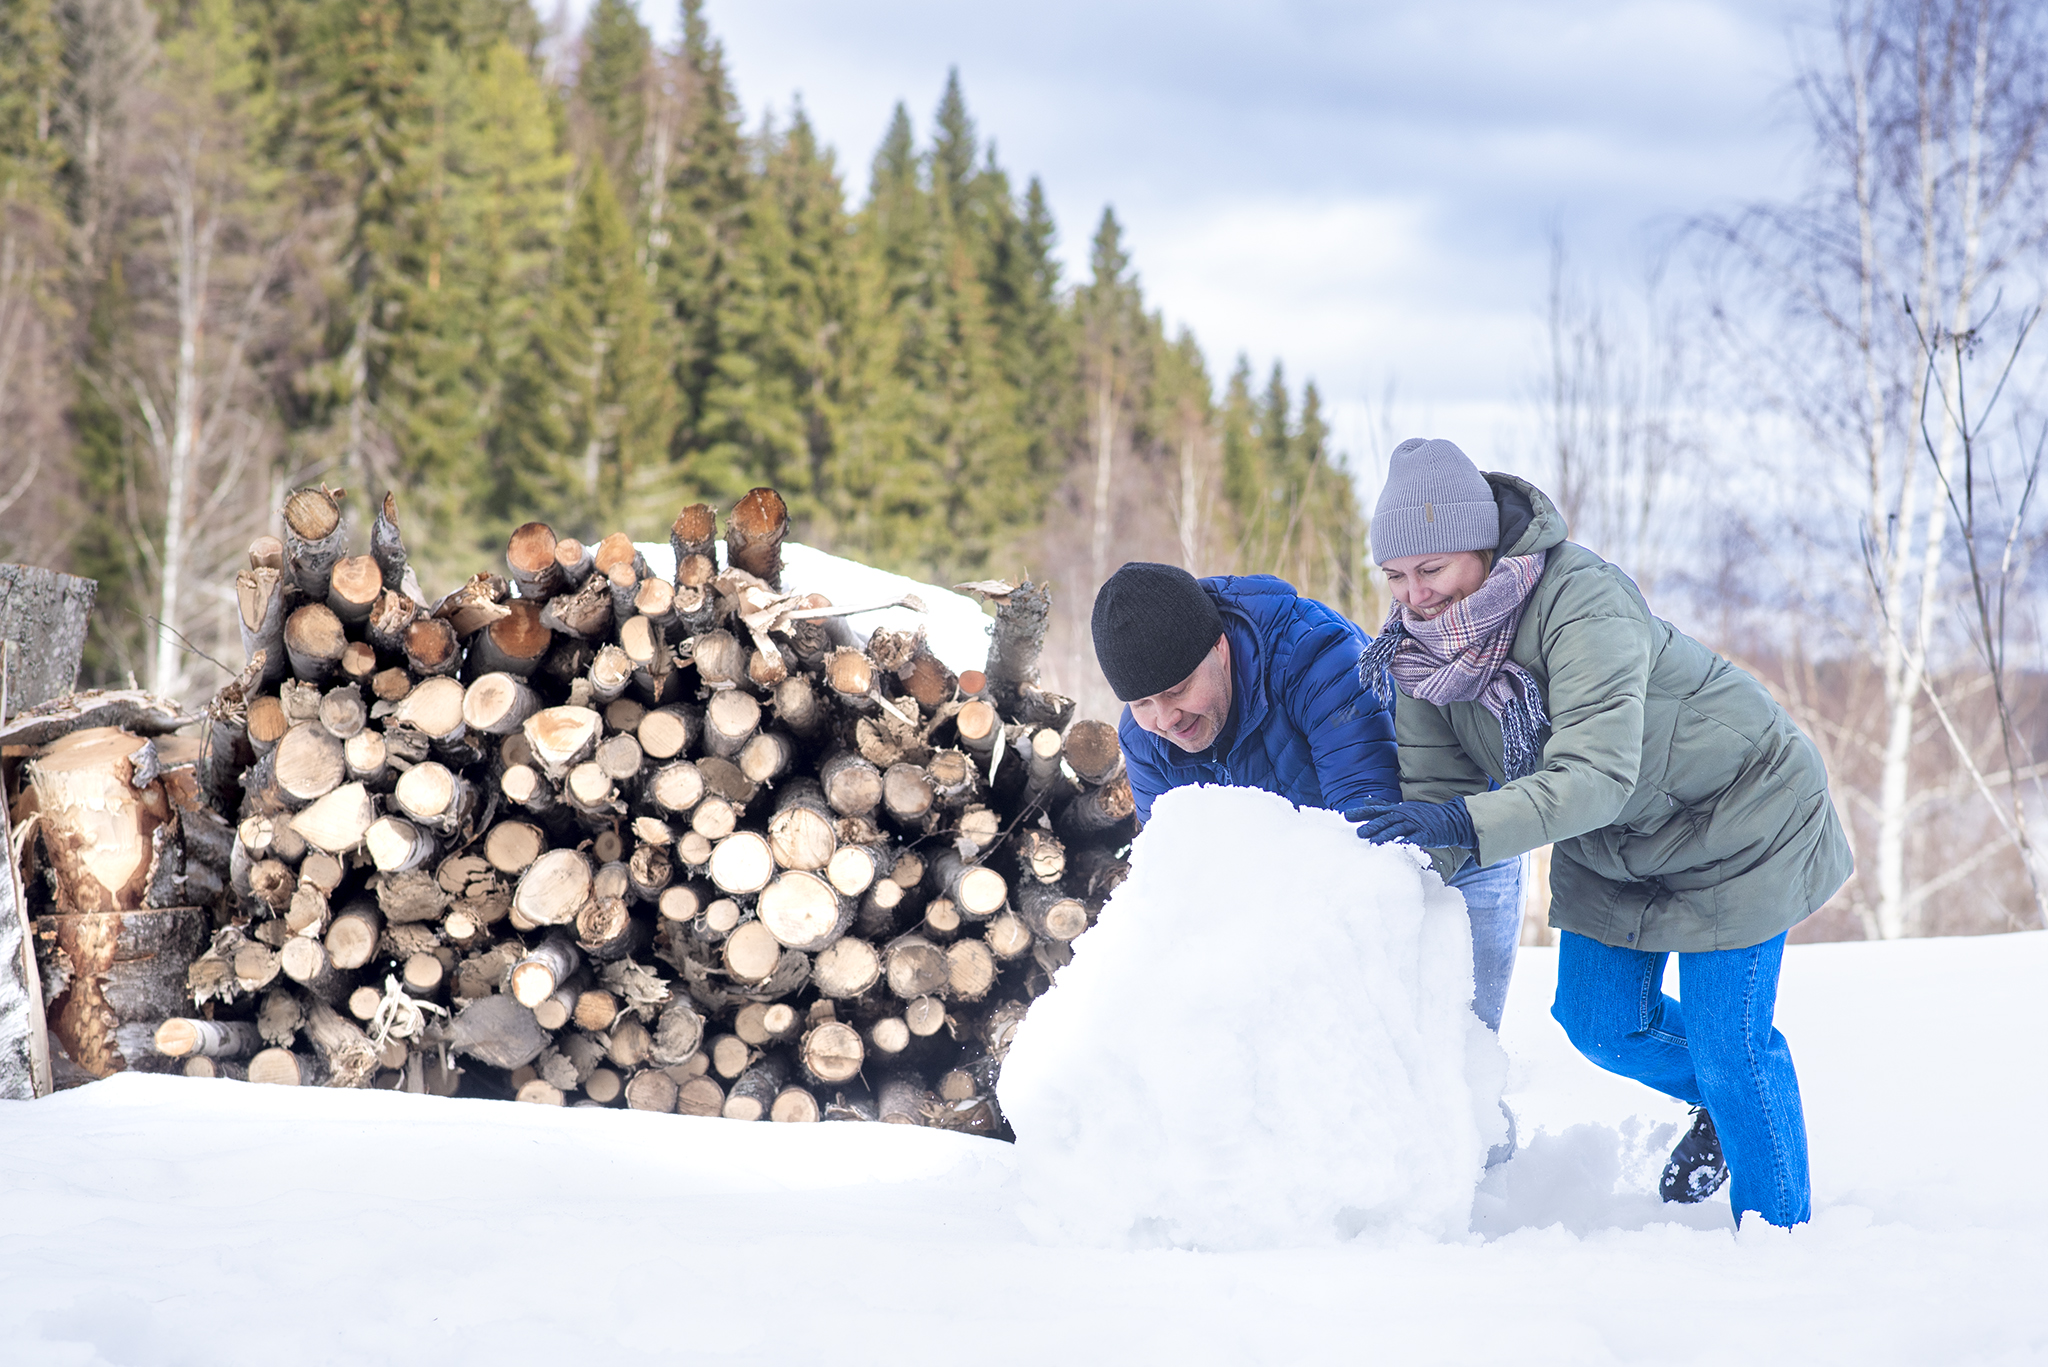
(1299, 726)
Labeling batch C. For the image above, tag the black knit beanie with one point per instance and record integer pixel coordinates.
(1152, 624)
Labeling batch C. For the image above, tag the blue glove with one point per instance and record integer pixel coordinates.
(1432, 825)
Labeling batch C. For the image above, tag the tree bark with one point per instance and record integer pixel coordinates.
(286, 1068)
(694, 532)
(350, 1059)
(314, 539)
(24, 1025)
(498, 703)
(754, 1091)
(853, 787)
(800, 833)
(127, 968)
(389, 621)
(730, 720)
(798, 706)
(720, 659)
(45, 615)
(1051, 914)
(308, 764)
(753, 536)
(586, 614)
(356, 586)
(431, 647)
(185, 1037)
(499, 1031)
(1099, 816)
(534, 978)
(530, 557)
(338, 821)
(352, 936)
(978, 890)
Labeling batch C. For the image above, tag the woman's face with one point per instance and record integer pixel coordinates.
(1428, 584)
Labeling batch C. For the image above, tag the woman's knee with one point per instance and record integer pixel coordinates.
(1598, 1025)
(1600, 994)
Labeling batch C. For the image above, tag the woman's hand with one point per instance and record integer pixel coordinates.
(1432, 825)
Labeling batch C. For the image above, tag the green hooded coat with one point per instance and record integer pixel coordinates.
(1686, 810)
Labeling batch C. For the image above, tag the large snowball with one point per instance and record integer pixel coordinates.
(1268, 1040)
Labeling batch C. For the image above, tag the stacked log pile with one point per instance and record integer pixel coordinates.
(581, 833)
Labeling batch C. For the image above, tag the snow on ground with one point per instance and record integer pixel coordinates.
(1321, 1076)
(954, 623)
(159, 1220)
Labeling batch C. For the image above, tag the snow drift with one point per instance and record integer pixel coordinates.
(1267, 1041)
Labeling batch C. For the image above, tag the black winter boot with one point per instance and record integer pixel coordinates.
(1696, 1169)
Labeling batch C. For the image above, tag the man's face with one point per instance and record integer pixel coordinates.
(1192, 713)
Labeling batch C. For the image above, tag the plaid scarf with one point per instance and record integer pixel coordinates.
(1462, 656)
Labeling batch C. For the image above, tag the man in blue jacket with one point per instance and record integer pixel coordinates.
(1239, 680)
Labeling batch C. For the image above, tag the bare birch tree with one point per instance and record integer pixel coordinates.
(1927, 118)
(205, 248)
(1618, 433)
(27, 289)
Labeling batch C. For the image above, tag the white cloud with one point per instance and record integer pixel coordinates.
(1363, 191)
(1348, 293)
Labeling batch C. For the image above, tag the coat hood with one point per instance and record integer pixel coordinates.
(1529, 521)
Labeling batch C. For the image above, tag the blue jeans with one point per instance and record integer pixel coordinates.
(1717, 1049)
(1493, 898)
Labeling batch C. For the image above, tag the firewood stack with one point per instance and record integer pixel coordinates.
(580, 833)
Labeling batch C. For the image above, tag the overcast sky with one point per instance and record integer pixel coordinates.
(1362, 190)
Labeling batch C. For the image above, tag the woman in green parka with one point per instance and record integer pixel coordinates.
(1541, 703)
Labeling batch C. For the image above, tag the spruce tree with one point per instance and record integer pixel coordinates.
(362, 70)
(612, 88)
(895, 221)
(708, 195)
(1327, 554)
(1116, 376)
(1246, 481)
(32, 300)
(773, 404)
(484, 235)
(30, 70)
(588, 406)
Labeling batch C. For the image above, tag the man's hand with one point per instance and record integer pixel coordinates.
(1432, 825)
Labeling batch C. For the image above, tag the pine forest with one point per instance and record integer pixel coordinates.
(430, 247)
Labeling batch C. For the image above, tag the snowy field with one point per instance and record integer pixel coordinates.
(159, 1220)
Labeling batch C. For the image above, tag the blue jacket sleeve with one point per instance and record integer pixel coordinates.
(1350, 732)
(1141, 763)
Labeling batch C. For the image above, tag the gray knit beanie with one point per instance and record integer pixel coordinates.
(1152, 625)
(1435, 502)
